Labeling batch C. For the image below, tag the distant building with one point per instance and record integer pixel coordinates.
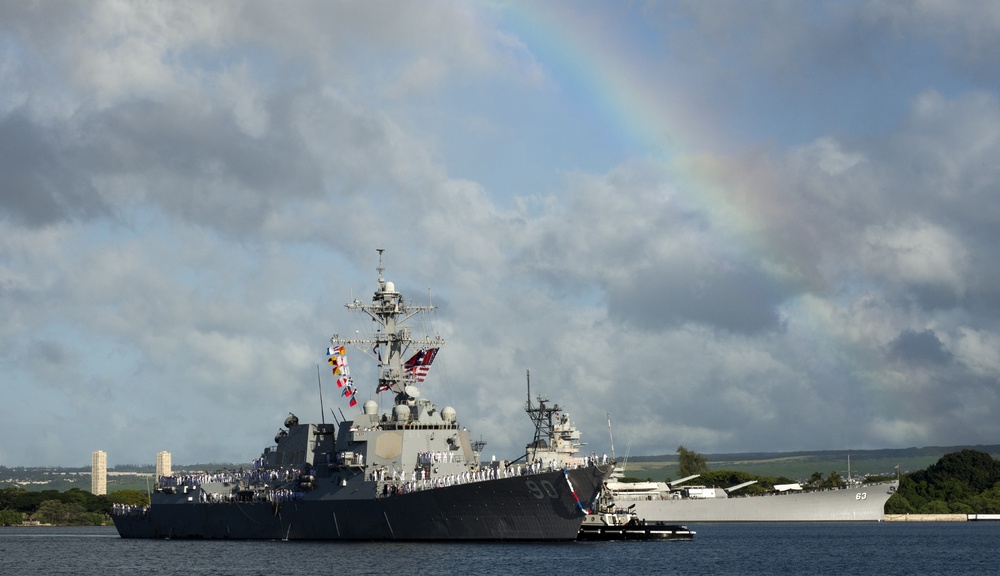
(163, 464)
(99, 473)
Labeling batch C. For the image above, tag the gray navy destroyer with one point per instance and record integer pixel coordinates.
(410, 473)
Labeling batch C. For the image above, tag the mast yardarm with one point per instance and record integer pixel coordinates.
(392, 338)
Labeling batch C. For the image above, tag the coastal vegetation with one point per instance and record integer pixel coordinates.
(73, 507)
(964, 482)
(690, 462)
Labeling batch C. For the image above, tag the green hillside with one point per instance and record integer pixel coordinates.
(801, 465)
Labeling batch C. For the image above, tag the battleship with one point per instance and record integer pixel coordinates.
(410, 473)
(677, 503)
(673, 502)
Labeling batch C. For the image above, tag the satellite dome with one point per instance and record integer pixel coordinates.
(390, 287)
(448, 414)
(292, 420)
(371, 407)
(401, 413)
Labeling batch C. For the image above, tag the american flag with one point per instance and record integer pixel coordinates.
(420, 364)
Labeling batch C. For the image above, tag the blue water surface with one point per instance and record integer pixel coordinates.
(807, 548)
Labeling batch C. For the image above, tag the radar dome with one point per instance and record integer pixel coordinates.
(371, 407)
(292, 420)
(448, 414)
(390, 287)
(401, 413)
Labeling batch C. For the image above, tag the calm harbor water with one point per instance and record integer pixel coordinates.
(886, 548)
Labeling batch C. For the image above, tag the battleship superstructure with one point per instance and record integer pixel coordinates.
(409, 473)
(662, 502)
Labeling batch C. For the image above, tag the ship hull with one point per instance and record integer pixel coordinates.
(864, 504)
(531, 507)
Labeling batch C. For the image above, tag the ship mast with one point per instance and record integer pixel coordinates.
(541, 417)
(392, 337)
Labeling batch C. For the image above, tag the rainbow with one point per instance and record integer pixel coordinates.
(652, 119)
(580, 48)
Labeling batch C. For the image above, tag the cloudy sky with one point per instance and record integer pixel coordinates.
(736, 226)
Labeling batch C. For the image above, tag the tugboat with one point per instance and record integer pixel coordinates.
(628, 526)
(410, 473)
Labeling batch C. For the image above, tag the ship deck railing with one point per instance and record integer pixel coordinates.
(132, 510)
(388, 487)
(226, 477)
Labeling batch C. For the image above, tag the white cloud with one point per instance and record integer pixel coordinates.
(915, 253)
(194, 190)
(979, 350)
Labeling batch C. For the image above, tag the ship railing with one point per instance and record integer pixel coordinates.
(227, 478)
(273, 495)
(406, 483)
(129, 510)
(390, 425)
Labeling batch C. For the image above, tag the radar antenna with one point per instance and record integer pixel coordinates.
(612, 436)
(477, 447)
(541, 417)
(392, 339)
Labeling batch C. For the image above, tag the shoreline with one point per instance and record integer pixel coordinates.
(942, 517)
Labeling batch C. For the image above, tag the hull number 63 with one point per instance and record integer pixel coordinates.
(861, 496)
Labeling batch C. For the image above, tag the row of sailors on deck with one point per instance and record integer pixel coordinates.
(497, 470)
(420, 481)
(435, 457)
(424, 483)
(277, 495)
(118, 509)
(540, 466)
(255, 476)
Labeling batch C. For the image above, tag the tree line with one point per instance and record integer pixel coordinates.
(965, 482)
(73, 507)
(690, 463)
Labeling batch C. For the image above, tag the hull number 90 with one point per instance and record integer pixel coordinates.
(541, 489)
